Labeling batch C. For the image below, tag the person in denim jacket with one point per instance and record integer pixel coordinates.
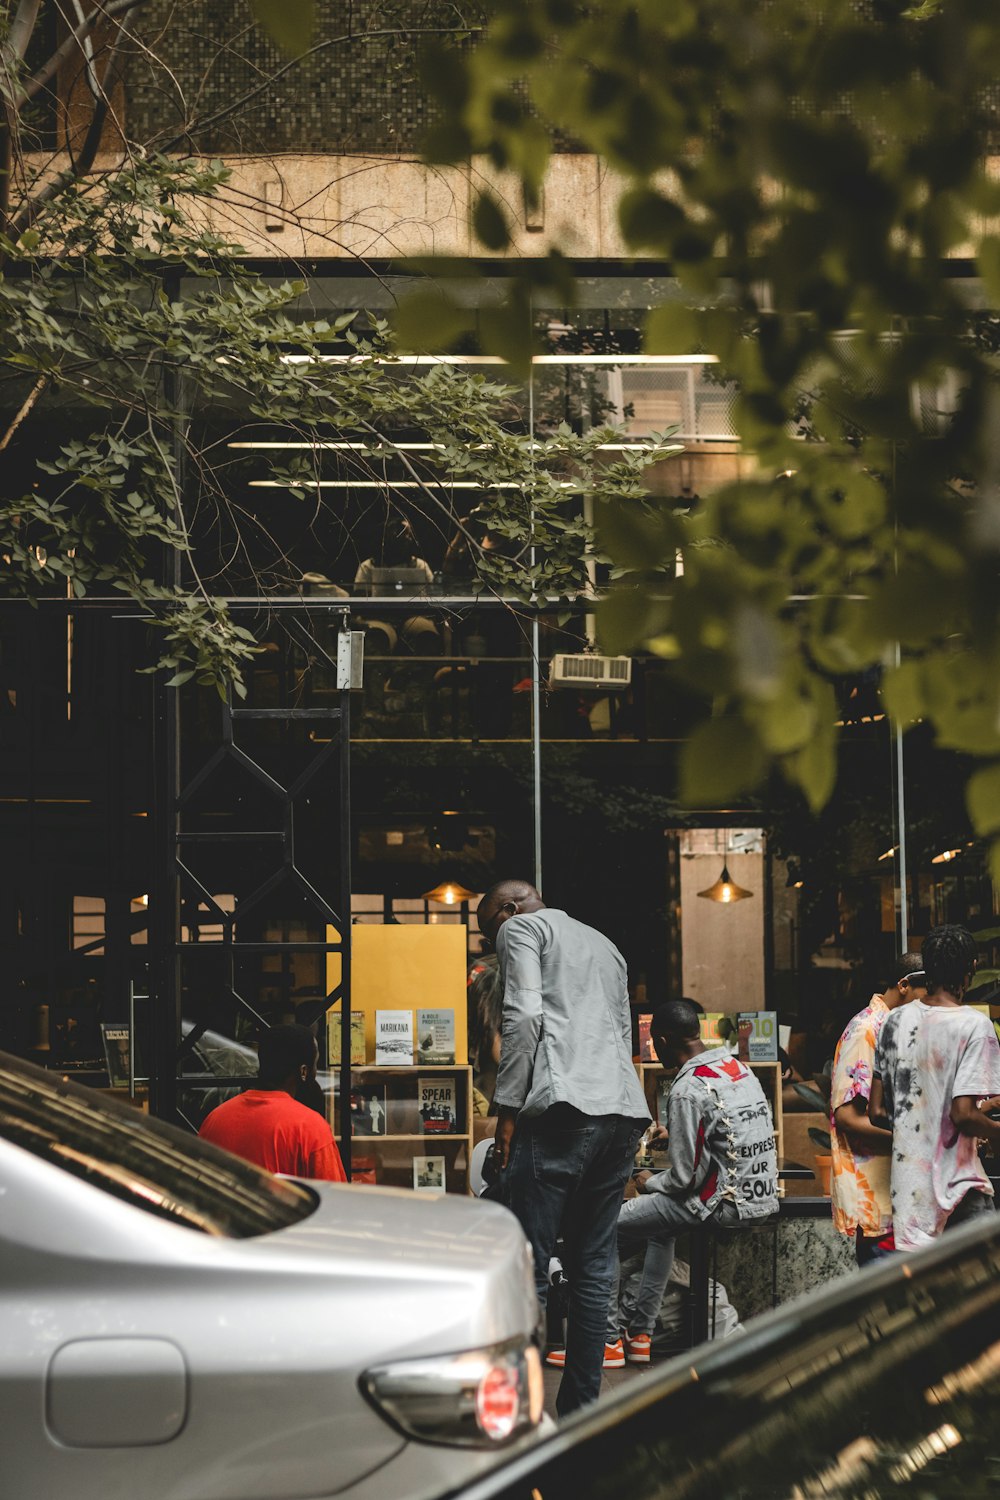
(723, 1167)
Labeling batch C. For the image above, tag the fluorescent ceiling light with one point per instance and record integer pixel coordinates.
(495, 359)
(390, 447)
(389, 484)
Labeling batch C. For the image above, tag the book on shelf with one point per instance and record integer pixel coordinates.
(364, 1169)
(358, 1054)
(428, 1174)
(393, 1038)
(664, 1084)
(436, 1098)
(368, 1109)
(709, 1027)
(435, 1036)
(646, 1053)
(758, 1035)
(116, 1040)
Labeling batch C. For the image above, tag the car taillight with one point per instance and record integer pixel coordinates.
(476, 1399)
(498, 1402)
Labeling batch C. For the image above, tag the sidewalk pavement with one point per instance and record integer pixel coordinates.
(611, 1380)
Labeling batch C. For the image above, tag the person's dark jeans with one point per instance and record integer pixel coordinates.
(972, 1205)
(869, 1248)
(567, 1174)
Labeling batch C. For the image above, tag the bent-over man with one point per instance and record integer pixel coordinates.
(570, 1108)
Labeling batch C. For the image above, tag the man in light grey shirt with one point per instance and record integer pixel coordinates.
(570, 1107)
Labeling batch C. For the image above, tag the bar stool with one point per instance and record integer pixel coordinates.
(704, 1259)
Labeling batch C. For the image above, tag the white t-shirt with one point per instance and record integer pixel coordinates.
(926, 1056)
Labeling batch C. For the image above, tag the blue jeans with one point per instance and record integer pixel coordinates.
(654, 1220)
(567, 1175)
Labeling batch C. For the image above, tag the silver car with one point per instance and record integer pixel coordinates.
(177, 1324)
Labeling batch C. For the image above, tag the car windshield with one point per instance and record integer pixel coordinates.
(142, 1161)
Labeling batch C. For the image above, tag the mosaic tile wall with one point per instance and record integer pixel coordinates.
(359, 93)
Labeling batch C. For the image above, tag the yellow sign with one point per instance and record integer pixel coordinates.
(407, 966)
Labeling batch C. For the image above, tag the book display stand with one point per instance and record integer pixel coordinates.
(403, 1117)
(411, 1083)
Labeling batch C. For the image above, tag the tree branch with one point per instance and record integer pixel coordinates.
(24, 22)
(24, 410)
(38, 80)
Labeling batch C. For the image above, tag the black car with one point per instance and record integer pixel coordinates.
(885, 1384)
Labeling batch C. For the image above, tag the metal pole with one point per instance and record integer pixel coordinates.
(131, 1039)
(536, 752)
(344, 831)
(164, 898)
(904, 933)
(536, 696)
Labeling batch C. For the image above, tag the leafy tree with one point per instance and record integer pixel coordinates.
(123, 313)
(810, 171)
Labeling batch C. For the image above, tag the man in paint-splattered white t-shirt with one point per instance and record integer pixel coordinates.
(937, 1071)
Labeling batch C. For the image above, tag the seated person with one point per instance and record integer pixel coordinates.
(397, 555)
(723, 1167)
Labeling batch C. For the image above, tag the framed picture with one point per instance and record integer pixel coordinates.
(428, 1174)
(116, 1040)
(368, 1109)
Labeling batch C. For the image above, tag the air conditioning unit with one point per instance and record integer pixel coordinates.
(588, 670)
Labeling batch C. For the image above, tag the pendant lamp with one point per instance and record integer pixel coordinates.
(449, 893)
(725, 889)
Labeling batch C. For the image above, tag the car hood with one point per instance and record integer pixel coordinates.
(398, 1227)
(468, 1259)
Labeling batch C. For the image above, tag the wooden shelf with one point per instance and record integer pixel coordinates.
(394, 1135)
(401, 1099)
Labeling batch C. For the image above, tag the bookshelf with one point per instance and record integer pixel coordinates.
(768, 1075)
(403, 1128)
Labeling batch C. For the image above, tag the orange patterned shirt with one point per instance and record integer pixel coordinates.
(859, 1183)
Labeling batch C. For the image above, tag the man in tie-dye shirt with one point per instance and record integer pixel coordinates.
(859, 1179)
(937, 1078)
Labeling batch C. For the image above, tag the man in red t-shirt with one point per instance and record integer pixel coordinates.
(267, 1124)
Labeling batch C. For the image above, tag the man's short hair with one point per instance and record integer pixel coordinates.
(949, 955)
(282, 1050)
(677, 1020)
(510, 890)
(905, 965)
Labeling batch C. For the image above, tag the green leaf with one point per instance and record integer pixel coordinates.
(722, 759)
(625, 619)
(287, 22)
(446, 143)
(982, 798)
(507, 331)
(814, 767)
(490, 222)
(988, 261)
(635, 538)
(671, 328)
(982, 978)
(648, 220)
(428, 320)
(903, 693)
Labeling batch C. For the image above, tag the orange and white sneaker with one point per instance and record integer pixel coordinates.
(638, 1348)
(614, 1356)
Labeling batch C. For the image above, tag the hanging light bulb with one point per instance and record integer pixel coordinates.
(725, 889)
(449, 893)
